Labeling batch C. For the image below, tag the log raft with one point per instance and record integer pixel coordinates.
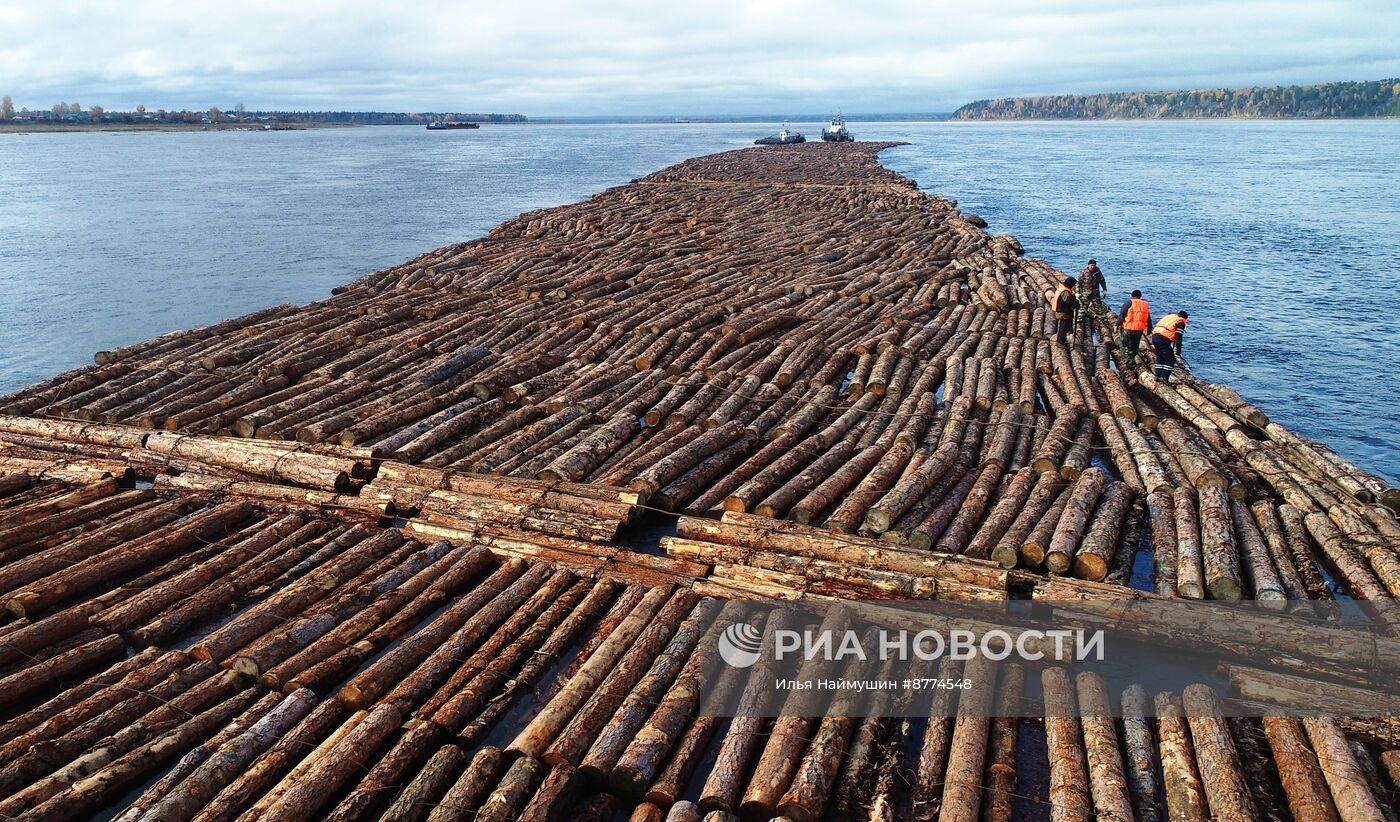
(384, 564)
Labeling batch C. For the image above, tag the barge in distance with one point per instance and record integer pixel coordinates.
(440, 125)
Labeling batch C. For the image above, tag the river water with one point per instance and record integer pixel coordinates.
(1281, 238)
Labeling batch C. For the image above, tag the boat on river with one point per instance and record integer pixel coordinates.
(782, 138)
(837, 132)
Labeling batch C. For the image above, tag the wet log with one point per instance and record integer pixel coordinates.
(1184, 791)
(1000, 776)
(133, 524)
(1047, 490)
(1259, 770)
(649, 667)
(22, 642)
(1219, 553)
(554, 796)
(1371, 771)
(1265, 581)
(721, 791)
(375, 624)
(93, 571)
(786, 743)
(304, 795)
(286, 604)
(1101, 541)
(967, 751)
(1108, 784)
(1080, 503)
(506, 802)
(195, 758)
(470, 689)
(125, 726)
(1010, 503)
(1120, 452)
(420, 796)
(34, 521)
(106, 783)
(1069, 780)
(1161, 515)
(1350, 791)
(231, 758)
(1057, 443)
(374, 681)
(1081, 449)
(927, 795)
(631, 749)
(1190, 572)
(927, 532)
(153, 600)
(560, 710)
(280, 562)
(1139, 754)
(689, 750)
(75, 707)
(458, 648)
(1303, 783)
(471, 788)
(1221, 774)
(960, 531)
(43, 674)
(1036, 545)
(1200, 470)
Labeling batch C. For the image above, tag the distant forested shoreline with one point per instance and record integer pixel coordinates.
(1375, 98)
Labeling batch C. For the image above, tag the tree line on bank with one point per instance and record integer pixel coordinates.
(74, 112)
(1375, 98)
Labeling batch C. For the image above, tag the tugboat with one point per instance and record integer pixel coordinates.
(784, 137)
(439, 125)
(837, 132)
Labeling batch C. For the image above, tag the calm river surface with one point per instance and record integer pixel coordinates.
(1281, 238)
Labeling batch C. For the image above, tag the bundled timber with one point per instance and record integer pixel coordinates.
(847, 388)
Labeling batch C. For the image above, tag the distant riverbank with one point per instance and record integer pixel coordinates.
(1324, 101)
(31, 127)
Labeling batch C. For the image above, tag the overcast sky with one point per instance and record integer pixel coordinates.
(670, 56)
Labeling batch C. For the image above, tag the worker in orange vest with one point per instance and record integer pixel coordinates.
(1166, 343)
(1065, 305)
(1136, 319)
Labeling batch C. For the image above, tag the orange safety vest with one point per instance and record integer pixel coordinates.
(1059, 295)
(1138, 314)
(1168, 326)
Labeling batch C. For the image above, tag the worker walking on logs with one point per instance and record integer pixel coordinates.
(1066, 307)
(1166, 343)
(1137, 318)
(1092, 289)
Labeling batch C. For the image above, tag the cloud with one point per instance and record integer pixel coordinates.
(636, 56)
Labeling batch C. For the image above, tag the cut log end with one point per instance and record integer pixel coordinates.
(1225, 590)
(878, 520)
